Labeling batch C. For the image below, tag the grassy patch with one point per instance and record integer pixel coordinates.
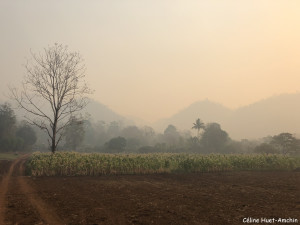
(8, 156)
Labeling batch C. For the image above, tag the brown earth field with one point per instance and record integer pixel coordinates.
(199, 198)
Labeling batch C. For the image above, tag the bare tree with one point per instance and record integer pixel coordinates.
(54, 79)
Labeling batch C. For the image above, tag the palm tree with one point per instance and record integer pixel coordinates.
(198, 125)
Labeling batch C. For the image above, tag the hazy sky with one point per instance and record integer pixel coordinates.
(151, 58)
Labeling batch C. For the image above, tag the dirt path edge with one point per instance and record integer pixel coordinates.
(4, 187)
(45, 212)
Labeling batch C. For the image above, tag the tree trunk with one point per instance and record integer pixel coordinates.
(53, 149)
(53, 144)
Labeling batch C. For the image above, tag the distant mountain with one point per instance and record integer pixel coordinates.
(96, 110)
(99, 112)
(206, 110)
(270, 116)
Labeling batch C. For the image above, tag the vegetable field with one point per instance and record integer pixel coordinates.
(93, 164)
(172, 194)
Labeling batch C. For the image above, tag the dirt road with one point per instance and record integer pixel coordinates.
(203, 198)
(20, 203)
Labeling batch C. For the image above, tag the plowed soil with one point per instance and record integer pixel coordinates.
(202, 198)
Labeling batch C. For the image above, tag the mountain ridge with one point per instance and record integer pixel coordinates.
(269, 116)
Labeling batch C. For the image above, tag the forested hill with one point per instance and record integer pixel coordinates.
(266, 117)
(96, 110)
(100, 112)
(270, 116)
(206, 110)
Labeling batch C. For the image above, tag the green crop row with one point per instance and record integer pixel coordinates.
(94, 164)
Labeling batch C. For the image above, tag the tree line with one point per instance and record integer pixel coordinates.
(14, 136)
(83, 135)
(114, 137)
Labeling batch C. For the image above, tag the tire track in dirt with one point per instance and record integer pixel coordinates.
(4, 188)
(46, 213)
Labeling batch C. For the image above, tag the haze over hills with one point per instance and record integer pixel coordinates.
(100, 112)
(96, 110)
(206, 110)
(270, 116)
